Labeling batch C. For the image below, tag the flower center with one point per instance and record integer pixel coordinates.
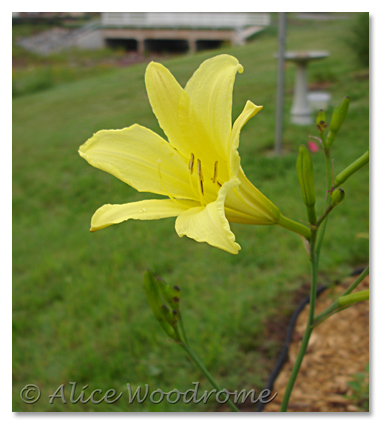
(199, 193)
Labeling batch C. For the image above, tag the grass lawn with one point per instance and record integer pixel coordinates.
(80, 313)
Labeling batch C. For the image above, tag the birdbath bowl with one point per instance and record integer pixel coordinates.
(301, 112)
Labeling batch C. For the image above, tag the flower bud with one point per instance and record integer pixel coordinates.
(163, 315)
(338, 117)
(170, 316)
(351, 169)
(304, 167)
(350, 299)
(170, 293)
(338, 196)
(321, 121)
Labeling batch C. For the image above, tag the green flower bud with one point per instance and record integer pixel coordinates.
(356, 297)
(351, 169)
(321, 121)
(339, 115)
(153, 296)
(170, 293)
(304, 167)
(171, 317)
(338, 196)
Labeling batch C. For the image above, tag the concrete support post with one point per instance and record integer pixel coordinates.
(192, 45)
(141, 46)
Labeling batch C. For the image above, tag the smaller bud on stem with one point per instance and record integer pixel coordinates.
(304, 167)
(338, 196)
(338, 117)
(321, 121)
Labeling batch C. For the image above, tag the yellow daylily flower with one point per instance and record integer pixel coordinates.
(197, 169)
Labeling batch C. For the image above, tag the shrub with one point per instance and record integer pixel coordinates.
(359, 38)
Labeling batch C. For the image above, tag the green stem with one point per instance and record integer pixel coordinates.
(328, 165)
(359, 279)
(315, 250)
(325, 314)
(324, 215)
(308, 329)
(182, 330)
(201, 366)
(294, 226)
(335, 307)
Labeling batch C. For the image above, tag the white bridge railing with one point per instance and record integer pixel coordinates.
(233, 20)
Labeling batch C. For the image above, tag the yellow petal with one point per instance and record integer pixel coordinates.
(209, 224)
(140, 158)
(164, 94)
(246, 204)
(142, 210)
(210, 101)
(248, 112)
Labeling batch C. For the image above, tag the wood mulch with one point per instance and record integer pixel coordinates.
(338, 349)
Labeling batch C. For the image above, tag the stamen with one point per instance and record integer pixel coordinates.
(215, 172)
(201, 189)
(191, 164)
(200, 174)
(199, 193)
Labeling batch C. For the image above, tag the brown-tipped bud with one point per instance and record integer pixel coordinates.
(321, 121)
(171, 294)
(169, 315)
(161, 313)
(339, 114)
(338, 196)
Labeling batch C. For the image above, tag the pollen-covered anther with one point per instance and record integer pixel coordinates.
(191, 164)
(200, 174)
(215, 172)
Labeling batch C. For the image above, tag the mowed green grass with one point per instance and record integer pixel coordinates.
(80, 313)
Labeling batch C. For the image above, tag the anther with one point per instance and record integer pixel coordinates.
(215, 172)
(191, 164)
(201, 187)
(200, 174)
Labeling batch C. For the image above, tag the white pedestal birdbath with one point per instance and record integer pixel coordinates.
(301, 112)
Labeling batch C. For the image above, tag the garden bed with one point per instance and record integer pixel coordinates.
(332, 377)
